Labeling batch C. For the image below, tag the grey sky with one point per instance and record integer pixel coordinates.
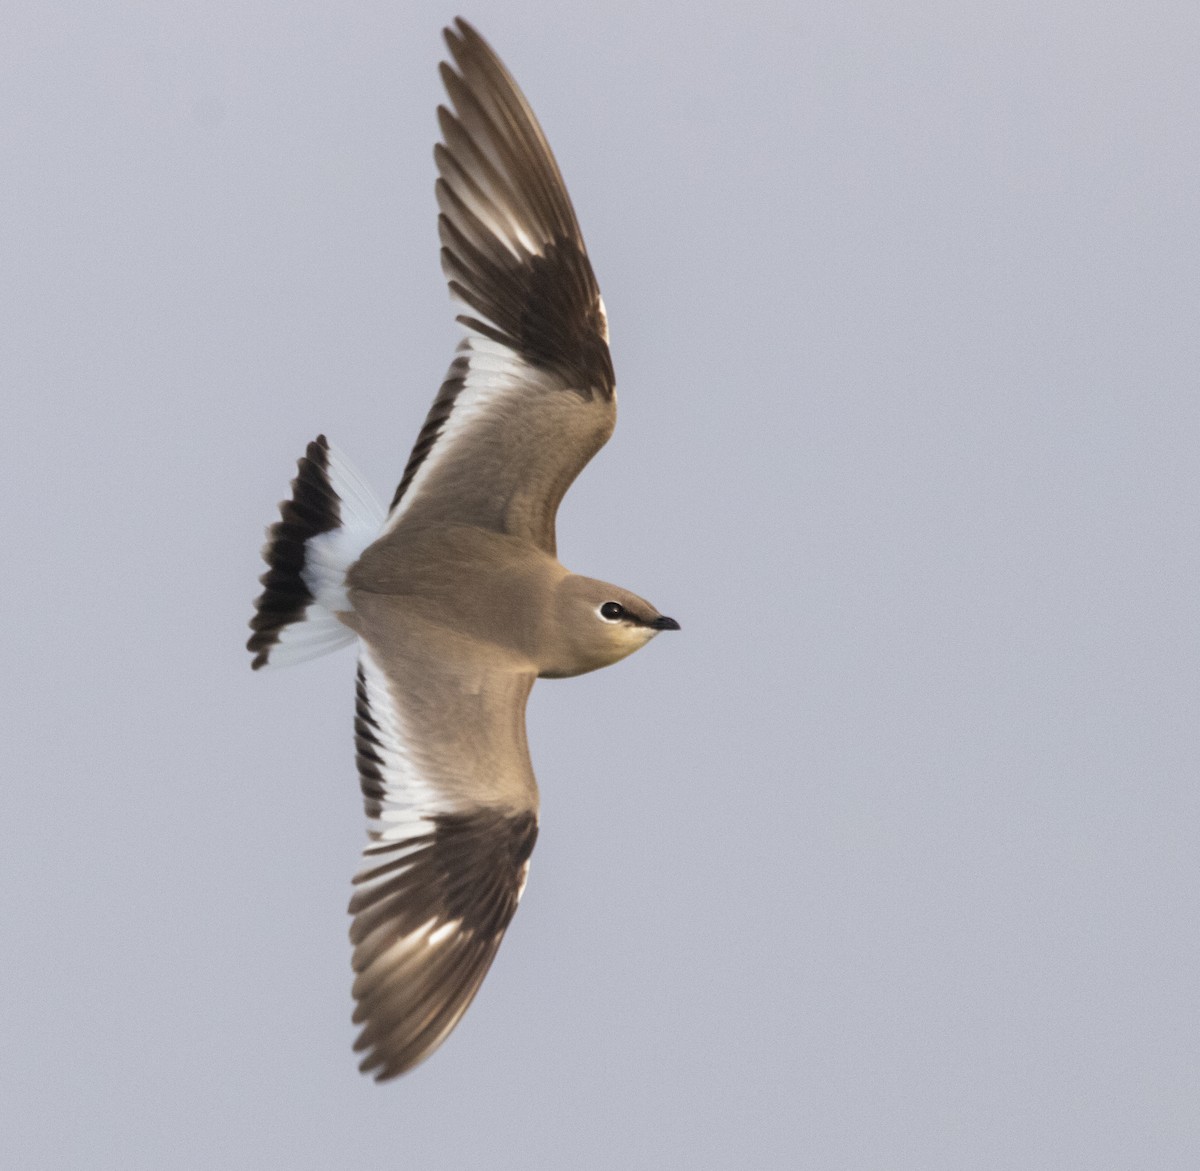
(889, 860)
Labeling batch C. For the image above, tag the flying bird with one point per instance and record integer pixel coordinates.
(454, 594)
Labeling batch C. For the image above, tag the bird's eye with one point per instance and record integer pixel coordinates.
(611, 611)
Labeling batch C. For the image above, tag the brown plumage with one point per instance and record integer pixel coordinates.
(456, 598)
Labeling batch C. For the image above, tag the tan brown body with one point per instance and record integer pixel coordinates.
(494, 591)
(455, 592)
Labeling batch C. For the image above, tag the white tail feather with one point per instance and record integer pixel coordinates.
(306, 586)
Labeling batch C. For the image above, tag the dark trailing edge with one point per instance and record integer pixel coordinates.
(313, 508)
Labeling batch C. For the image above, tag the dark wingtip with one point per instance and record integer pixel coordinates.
(465, 28)
(457, 32)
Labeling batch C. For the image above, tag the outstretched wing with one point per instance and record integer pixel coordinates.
(452, 804)
(530, 398)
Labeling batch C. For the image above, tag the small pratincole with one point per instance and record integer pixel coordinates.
(454, 594)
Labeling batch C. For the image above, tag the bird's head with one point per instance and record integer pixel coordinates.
(596, 624)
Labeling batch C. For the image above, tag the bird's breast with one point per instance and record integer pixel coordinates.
(484, 586)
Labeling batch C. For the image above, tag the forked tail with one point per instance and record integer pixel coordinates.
(322, 530)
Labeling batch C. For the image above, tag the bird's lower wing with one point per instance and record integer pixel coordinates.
(453, 819)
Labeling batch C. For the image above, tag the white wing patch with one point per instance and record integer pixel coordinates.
(409, 799)
(494, 376)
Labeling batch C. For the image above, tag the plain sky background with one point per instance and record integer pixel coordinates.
(889, 859)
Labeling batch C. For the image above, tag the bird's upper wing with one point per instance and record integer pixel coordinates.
(530, 397)
(452, 803)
